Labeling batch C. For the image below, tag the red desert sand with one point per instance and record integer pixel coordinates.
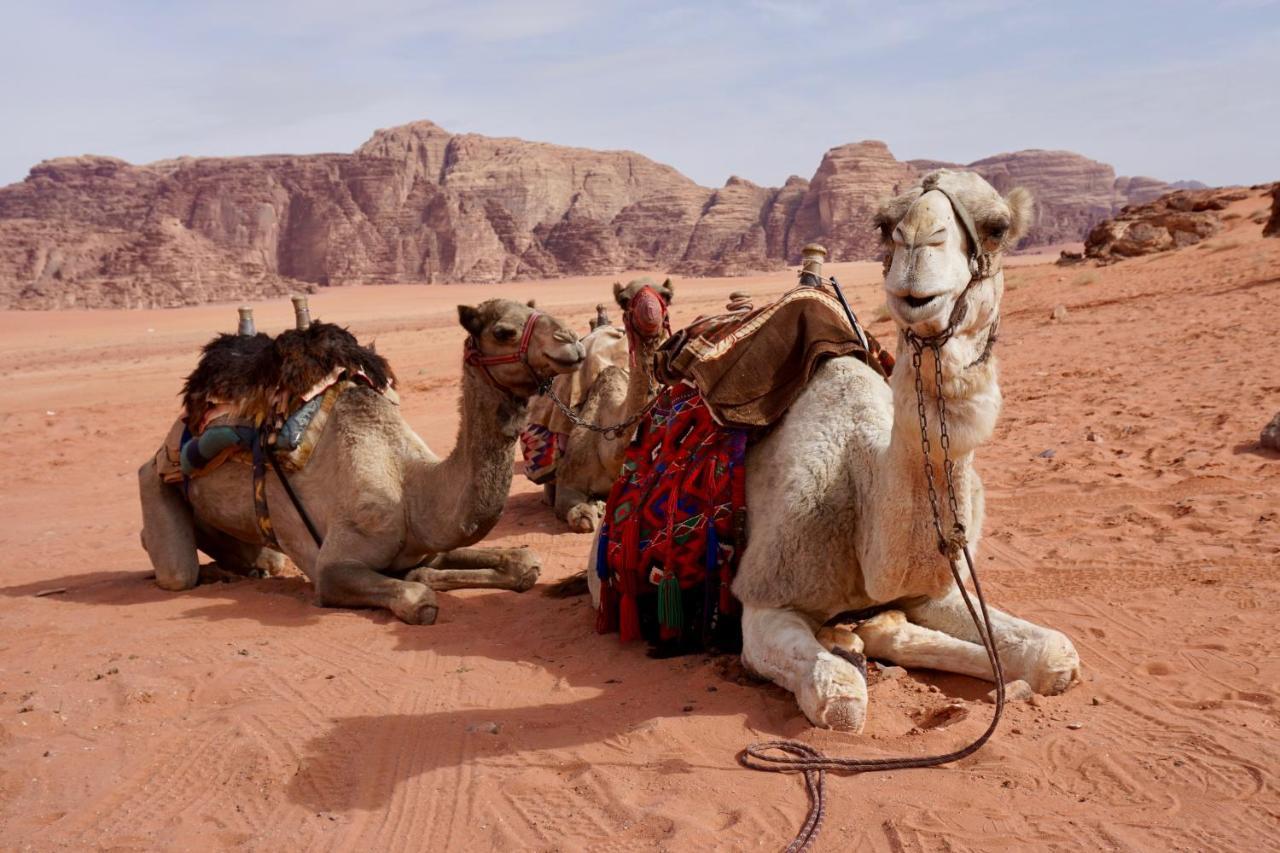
(1128, 505)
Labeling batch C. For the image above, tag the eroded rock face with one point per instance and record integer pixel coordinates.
(1181, 218)
(419, 204)
(1272, 228)
(842, 198)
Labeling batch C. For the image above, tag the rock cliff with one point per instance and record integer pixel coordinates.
(417, 203)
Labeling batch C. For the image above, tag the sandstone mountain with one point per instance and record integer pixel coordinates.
(419, 204)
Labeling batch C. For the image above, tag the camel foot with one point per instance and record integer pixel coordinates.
(1053, 668)
(524, 567)
(416, 605)
(583, 518)
(834, 695)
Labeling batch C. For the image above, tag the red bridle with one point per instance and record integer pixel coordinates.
(472, 355)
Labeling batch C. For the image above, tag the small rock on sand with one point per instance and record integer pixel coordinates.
(1059, 313)
(891, 673)
(484, 728)
(1271, 434)
(1014, 691)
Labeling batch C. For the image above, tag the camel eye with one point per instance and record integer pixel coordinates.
(504, 333)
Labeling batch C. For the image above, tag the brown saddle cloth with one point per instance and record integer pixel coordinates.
(750, 366)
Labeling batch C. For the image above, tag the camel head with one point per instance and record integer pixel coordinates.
(936, 278)
(644, 306)
(517, 347)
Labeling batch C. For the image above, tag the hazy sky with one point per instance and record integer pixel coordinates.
(759, 89)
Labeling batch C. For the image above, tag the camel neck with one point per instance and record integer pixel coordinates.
(905, 518)
(640, 377)
(458, 500)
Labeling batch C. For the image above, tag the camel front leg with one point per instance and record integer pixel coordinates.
(1042, 657)
(481, 568)
(889, 636)
(348, 583)
(168, 531)
(781, 645)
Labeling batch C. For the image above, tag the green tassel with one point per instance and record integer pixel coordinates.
(670, 604)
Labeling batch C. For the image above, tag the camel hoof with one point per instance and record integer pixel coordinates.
(835, 695)
(1058, 667)
(525, 568)
(582, 519)
(419, 606)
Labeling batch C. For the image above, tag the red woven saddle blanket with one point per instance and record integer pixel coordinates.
(673, 530)
(750, 366)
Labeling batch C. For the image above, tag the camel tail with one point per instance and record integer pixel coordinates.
(570, 587)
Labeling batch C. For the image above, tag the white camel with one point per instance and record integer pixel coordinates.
(839, 516)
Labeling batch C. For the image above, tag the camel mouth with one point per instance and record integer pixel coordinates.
(570, 362)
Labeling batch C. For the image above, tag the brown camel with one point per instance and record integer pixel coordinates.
(385, 507)
(591, 459)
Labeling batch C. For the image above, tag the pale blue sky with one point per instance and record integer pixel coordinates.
(758, 89)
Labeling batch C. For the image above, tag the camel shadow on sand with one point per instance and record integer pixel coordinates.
(634, 707)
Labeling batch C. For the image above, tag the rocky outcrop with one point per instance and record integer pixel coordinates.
(1272, 228)
(419, 204)
(842, 198)
(730, 235)
(1178, 219)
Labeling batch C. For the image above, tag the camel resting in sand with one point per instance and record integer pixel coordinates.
(839, 516)
(592, 459)
(394, 518)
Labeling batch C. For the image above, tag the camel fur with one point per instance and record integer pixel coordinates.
(394, 518)
(838, 511)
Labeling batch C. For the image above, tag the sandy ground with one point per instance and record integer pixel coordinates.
(241, 716)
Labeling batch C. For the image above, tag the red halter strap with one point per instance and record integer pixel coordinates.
(473, 356)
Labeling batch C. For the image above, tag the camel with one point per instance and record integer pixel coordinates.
(394, 518)
(591, 459)
(839, 517)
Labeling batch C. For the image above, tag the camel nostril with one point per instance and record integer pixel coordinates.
(919, 301)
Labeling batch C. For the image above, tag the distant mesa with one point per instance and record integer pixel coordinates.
(417, 203)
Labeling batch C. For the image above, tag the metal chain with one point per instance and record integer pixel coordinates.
(609, 432)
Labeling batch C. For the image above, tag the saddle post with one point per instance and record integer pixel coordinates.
(246, 327)
(301, 313)
(812, 257)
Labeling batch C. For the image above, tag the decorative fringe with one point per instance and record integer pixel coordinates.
(607, 615)
(602, 554)
(670, 605)
(628, 619)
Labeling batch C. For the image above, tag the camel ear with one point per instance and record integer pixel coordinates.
(470, 319)
(668, 291)
(1021, 209)
(618, 288)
